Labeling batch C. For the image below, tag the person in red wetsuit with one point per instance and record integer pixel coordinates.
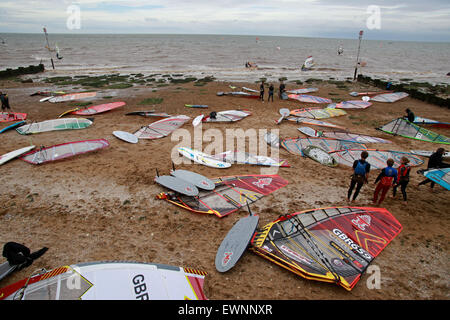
(386, 179)
(403, 178)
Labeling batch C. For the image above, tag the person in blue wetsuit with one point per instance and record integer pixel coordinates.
(386, 178)
(361, 169)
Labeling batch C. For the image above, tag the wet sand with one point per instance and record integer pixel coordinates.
(102, 206)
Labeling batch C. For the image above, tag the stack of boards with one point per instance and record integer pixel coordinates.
(185, 182)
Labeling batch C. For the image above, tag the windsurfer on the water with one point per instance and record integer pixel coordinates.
(361, 169)
(20, 255)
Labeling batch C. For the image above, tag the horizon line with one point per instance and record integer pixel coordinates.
(222, 34)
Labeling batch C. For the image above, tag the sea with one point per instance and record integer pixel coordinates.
(224, 56)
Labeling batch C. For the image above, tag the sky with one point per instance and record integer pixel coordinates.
(409, 20)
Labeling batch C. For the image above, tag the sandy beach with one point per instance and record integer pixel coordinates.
(102, 205)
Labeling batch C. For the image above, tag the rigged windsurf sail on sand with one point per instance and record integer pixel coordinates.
(341, 135)
(161, 128)
(248, 158)
(333, 245)
(353, 104)
(55, 124)
(64, 150)
(377, 158)
(308, 99)
(440, 176)
(318, 113)
(313, 122)
(404, 128)
(110, 280)
(227, 116)
(389, 97)
(296, 145)
(431, 122)
(302, 90)
(230, 194)
(238, 94)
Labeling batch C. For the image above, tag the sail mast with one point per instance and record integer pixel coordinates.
(357, 58)
(48, 47)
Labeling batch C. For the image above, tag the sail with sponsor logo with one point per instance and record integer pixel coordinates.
(333, 244)
(230, 194)
(110, 280)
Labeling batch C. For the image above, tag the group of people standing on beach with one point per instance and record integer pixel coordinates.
(271, 90)
(389, 176)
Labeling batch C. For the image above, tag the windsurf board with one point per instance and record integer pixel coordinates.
(13, 154)
(197, 120)
(235, 243)
(12, 126)
(196, 179)
(202, 158)
(126, 136)
(177, 185)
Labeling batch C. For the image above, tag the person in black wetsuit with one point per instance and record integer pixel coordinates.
(261, 91)
(361, 169)
(270, 93)
(402, 178)
(5, 101)
(435, 162)
(410, 115)
(20, 255)
(282, 88)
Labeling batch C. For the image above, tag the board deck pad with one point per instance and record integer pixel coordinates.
(177, 185)
(235, 243)
(196, 179)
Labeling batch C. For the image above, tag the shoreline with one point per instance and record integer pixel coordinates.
(102, 206)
